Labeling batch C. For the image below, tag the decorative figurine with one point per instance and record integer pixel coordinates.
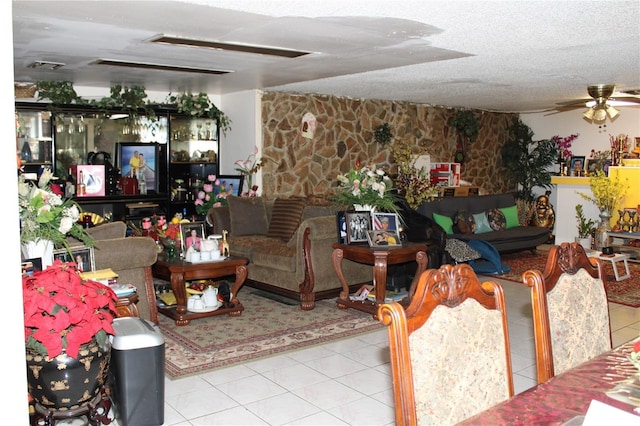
(544, 216)
(225, 244)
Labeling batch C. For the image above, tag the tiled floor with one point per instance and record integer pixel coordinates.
(342, 383)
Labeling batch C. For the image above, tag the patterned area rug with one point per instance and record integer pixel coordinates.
(265, 328)
(626, 292)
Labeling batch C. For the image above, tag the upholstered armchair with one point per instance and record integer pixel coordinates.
(570, 310)
(450, 356)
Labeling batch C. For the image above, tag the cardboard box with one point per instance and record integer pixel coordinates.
(459, 191)
(93, 178)
(445, 174)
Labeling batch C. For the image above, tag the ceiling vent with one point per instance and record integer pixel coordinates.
(158, 67)
(45, 65)
(232, 47)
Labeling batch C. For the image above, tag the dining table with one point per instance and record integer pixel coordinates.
(609, 378)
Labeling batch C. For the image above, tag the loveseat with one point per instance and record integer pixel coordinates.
(493, 218)
(131, 258)
(288, 242)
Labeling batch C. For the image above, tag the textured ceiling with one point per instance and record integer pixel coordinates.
(494, 55)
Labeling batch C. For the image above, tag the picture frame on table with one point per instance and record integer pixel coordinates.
(341, 223)
(82, 256)
(191, 234)
(139, 160)
(383, 238)
(385, 221)
(358, 223)
(577, 163)
(231, 183)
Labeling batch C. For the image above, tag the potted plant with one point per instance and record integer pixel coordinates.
(47, 218)
(586, 228)
(67, 323)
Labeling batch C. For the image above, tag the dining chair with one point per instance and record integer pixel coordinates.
(450, 356)
(570, 310)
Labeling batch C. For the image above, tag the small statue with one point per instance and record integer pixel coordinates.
(544, 215)
(225, 244)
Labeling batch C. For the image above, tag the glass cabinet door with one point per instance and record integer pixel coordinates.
(34, 144)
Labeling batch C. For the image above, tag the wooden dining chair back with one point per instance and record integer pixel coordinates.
(570, 310)
(450, 356)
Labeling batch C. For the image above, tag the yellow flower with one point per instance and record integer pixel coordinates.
(607, 192)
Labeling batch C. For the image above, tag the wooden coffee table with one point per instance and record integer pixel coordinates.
(379, 258)
(178, 271)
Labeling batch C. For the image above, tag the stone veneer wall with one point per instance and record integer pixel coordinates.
(344, 133)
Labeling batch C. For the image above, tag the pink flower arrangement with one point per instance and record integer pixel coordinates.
(564, 146)
(213, 194)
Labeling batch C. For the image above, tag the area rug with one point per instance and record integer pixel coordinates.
(265, 328)
(626, 292)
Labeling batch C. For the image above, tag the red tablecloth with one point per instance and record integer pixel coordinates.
(566, 395)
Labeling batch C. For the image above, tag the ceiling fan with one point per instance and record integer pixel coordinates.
(603, 103)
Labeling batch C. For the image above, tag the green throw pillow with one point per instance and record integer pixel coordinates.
(444, 221)
(511, 214)
(482, 223)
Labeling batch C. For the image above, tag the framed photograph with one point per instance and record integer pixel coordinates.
(358, 223)
(341, 222)
(383, 238)
(577, 163)
(232, 184)
(82, 256)
(191, 234)
(385, 221)
(139, 160)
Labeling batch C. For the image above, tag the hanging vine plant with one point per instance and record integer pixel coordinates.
(58, 92)
(199, 106)
(382, 134)
(467, 124)
(130, 99)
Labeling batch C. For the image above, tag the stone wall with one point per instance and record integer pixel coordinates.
(344, 134)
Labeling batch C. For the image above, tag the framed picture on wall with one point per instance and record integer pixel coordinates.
(358, 223)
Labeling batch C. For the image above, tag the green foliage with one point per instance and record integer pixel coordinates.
(528, 161)
(585, 227)
(198, 106)
(130, 99)
(383, 134)
(466, 122)
(58, 92)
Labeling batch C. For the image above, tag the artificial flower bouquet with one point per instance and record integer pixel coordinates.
(248, 168)
(46, 215)
(564, 147)
(213, 194)
(607, 192)
(366, 186)
(63, 312)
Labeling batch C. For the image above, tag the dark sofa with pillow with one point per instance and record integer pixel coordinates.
(492, 218)
(288, 242)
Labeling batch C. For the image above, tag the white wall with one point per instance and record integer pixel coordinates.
(13, 405)
(244, 110)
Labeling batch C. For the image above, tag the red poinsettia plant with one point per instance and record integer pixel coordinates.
(62, 311)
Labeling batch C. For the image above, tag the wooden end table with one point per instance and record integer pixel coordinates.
(178, 271)
(379, 258)
(126, 306)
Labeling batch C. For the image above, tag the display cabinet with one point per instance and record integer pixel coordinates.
(193, 155)
(172, 156)
(34, 144)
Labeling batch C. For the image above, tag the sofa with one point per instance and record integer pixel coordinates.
(129, 257)
(492, 218)
(288, 242)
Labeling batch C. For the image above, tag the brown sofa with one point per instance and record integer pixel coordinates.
(288, 243)
(131, 258)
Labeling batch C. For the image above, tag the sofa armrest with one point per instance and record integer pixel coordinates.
(220, 218)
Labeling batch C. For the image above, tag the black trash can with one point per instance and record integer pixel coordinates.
(137, 372)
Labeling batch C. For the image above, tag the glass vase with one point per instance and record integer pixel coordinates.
(602, 232)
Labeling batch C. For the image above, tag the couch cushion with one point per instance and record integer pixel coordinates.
(482, 223)
(496, 219)
(511, 216)
(265, 251)
(444, 221)
(248, 216)
(464, 223)
(285, 217)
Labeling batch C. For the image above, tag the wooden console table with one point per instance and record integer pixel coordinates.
(178, 271)
(379, 258)
(126, 306)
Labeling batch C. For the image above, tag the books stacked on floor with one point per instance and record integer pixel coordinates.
(122, 290)
(110, 278)
(390, 296)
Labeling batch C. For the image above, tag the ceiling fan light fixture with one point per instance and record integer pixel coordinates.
(588, 114)
(599, 114)
(611, 111)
